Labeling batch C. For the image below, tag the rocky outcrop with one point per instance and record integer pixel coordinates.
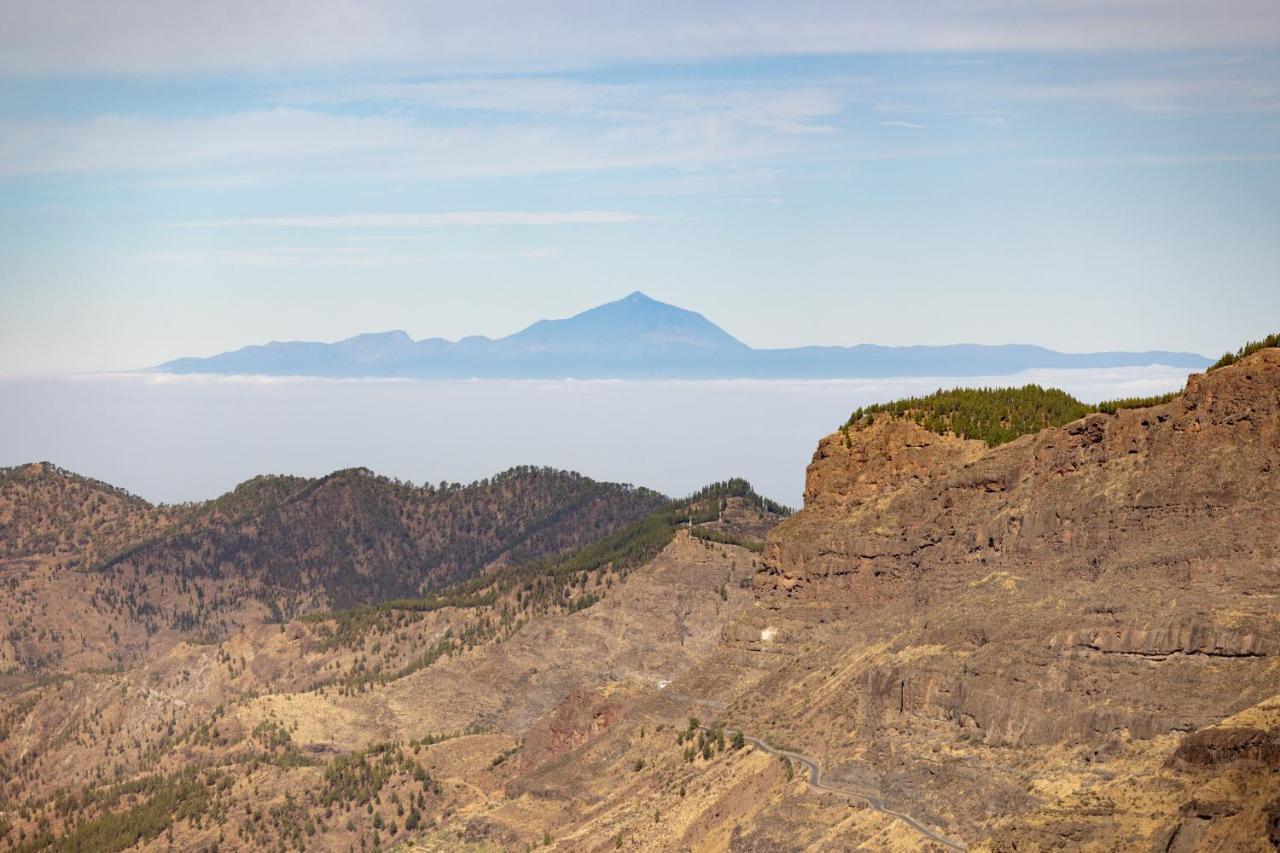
(1197, 638)
(1093, 591)
(1220, 745)
(1195, 480)
(864, 462)
(580, 716)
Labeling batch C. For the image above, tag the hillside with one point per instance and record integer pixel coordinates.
(45, 510)
(104, 577)
(1130, 559)
(1065, 641)
(355, 537)
(391, 702)
(1062, 641)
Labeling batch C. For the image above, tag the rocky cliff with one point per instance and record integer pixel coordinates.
(1068, 641)
(1083, 597)
(894, 507)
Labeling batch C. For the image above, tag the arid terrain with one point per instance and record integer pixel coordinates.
(1067, 640)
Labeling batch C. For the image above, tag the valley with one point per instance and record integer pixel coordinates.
(1057, 634)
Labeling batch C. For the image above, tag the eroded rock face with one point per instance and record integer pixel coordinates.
(1271, 814)
(1092, 591)
(1220, 745)
(862, 463)
(1194, 480)
(582, 715)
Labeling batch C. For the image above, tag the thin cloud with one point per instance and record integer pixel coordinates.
(282, 257)
(454, 219)
(288, 141)
(1176, 92)
(536, 95)
(907, 124)
(792, 109)
(59, 37)
(1155, 161)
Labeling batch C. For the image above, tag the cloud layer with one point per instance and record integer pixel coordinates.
(463, 219)
(191, 36)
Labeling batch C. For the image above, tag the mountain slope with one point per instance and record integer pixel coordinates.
(1011, 642)
(299, 733)
(639, 337)
(1067, 640)
(353, 537)
(45, 510)
(95, 578)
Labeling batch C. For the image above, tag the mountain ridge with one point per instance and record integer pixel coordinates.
(1065, 639)
(638, 337)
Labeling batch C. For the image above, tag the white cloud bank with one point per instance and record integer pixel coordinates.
(194, 437)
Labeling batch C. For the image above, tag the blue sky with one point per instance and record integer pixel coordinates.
(185, 178)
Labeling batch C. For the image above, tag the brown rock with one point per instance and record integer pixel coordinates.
(1220, 745)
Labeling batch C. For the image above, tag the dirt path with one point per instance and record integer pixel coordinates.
(815, 780)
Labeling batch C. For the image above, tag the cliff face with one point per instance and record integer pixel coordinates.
(1070, 641)
(1084, 596)
(1190, 486)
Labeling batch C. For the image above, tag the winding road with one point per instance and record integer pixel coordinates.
(815, 780)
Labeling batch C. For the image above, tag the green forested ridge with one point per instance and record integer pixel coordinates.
(1248, 349)
(359, 538)
(1110, 407)
(722, 537)
(569, 581)
(998, 415)
(993, 415)
(737, 487)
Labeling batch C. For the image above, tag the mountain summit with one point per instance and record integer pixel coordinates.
(633, 322)
(638, 337)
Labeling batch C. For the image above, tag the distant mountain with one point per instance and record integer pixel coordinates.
(639, 338)
(636, 324)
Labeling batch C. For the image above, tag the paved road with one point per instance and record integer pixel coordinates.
(815, 780)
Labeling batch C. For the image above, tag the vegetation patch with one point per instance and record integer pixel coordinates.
(151, 805)
(724, 537)
(353, 537)
(558, 583)
(706, 742)
(993, 415)
(999, 415)
(1248, 349)
(1110, 407)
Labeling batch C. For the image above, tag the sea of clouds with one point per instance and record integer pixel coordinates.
(177, 438)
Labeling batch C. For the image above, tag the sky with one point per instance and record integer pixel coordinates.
(184, 178)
